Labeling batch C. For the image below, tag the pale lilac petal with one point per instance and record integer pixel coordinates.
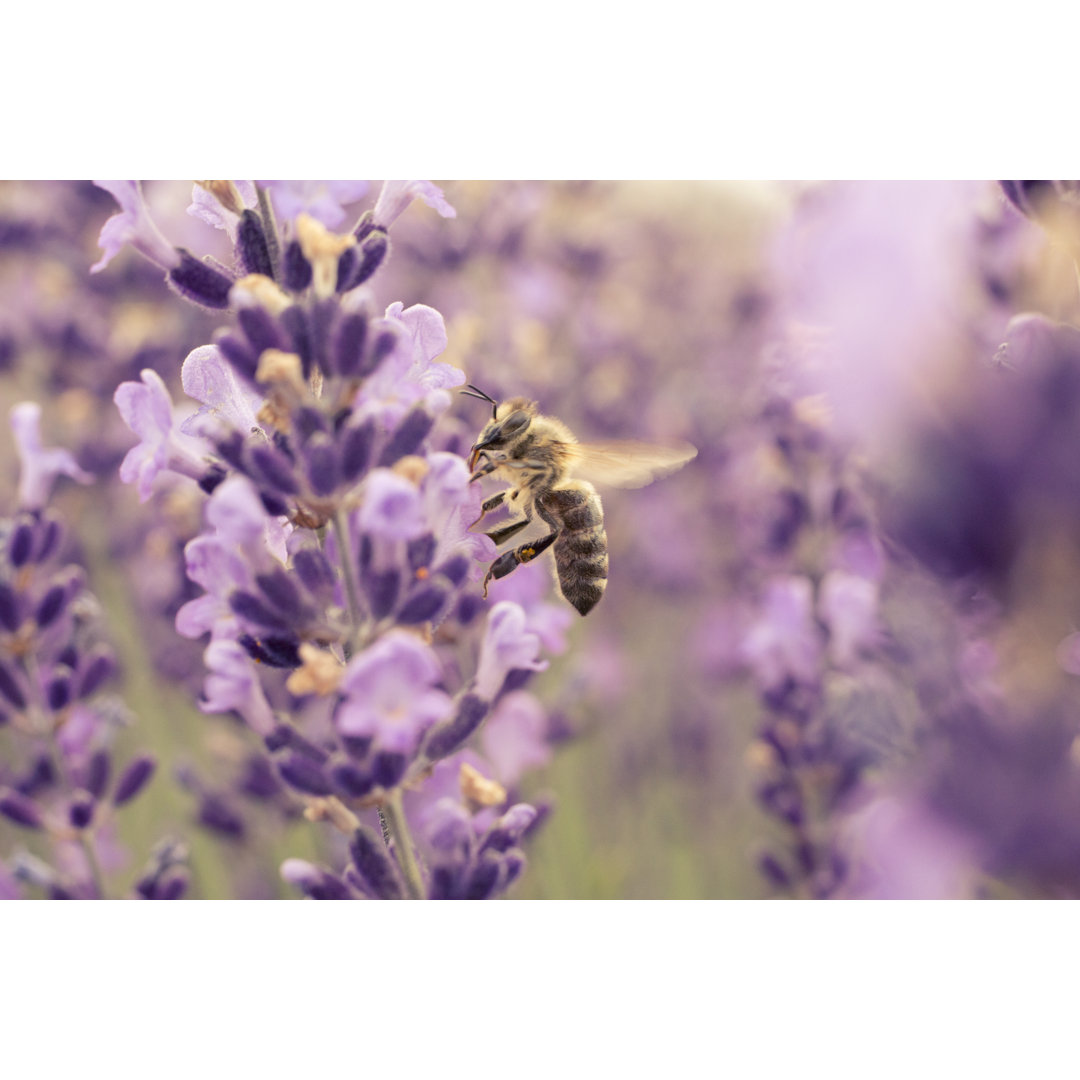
(207, 208)
(507, 646)
(323, 200)
(227, 400)
(134, 226)
(392, 507)
(39, 467)
(397, 195)
(233, 684)
(514, 737)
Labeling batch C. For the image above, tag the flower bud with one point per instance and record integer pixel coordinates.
(9, 687)
(20, 810)
(200, 282)
(300, 772)
(374, 865)
(81, 810)
(251, 245)
(21, 544)
(133, 779)
(52, 604)
(9, 608)
(96, 779)
(406, 440)
(295, 269)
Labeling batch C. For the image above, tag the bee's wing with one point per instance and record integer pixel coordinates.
(625, 464)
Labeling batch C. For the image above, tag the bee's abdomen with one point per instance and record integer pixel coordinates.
(581, 557)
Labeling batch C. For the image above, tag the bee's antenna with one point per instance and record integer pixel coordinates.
(481, 396)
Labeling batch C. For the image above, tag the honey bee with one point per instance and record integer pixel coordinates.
(550, 475)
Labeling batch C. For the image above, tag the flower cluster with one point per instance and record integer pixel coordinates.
(61, 780)
(336, 562)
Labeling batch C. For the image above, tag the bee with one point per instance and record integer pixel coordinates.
(550, 475)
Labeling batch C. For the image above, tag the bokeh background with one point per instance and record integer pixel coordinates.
(871, 541)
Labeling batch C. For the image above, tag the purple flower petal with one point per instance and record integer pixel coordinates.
(507, 646)
(134, 226)
(397, 195)
(40, 467)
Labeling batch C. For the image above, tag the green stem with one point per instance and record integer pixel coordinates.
(342, 533)
(95, 866)
(392, 817)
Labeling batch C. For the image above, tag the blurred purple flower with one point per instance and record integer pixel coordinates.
(848, 606)
(392, 508)
(397, 195)
(507, 646)
(785, 642)
(390, 693)
(514, 738)
(39, 467)
(323, 200)
(233, 685)
(134, 226)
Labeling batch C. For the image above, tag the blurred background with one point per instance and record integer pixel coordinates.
(867, 578)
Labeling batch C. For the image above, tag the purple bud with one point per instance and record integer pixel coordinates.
(98, 667)
(483, 879)
(274, 505)
(22, 540)
(58, 692)
(314, 570)
(446, 737)
(455, 569)
(772, 869)
(279, 588)
(307, 420)
(509, 829)
(173, 886)
(406, 440)
(48, 539)
(469, 606)
(420, 551)
(365, 226)
(98, 769)
(133, 779)
(373, 863)
(275, 469)
(216, 814)
(382, 591)
(321, 466)
(254, 610)
(323, 315)
(20, 810)
(258, 779)
(513, 863)
(52, 604)
(346, 264)
(425, 603)
(240, 354)
(357, 746)
(302, 773)
(278, 652)
(251, 245)
(199, 282)
(356, 448)
(349, 779)
(445, 883)
(39, 776)
(211, 479)
(348, 344)
(313, 881)
(295, 320)
(388, 767)
(9, 608)
(261, 329)
(295, 269)
(286, 737)
(373, 251)
(381, 348)
(81, 809)
(10, 688)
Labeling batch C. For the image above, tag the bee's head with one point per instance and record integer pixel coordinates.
(510, 419)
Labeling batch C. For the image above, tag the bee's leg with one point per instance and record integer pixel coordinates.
(504, 564)
(504, 533)
(488, 467)
(489, 505)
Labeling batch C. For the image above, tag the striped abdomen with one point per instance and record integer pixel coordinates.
(580, 550)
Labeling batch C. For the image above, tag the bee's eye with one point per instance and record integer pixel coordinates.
(514, 424)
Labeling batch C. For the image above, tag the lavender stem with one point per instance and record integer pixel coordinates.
(392, 816)
(342, 533)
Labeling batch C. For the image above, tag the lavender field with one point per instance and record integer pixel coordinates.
(783, 599)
